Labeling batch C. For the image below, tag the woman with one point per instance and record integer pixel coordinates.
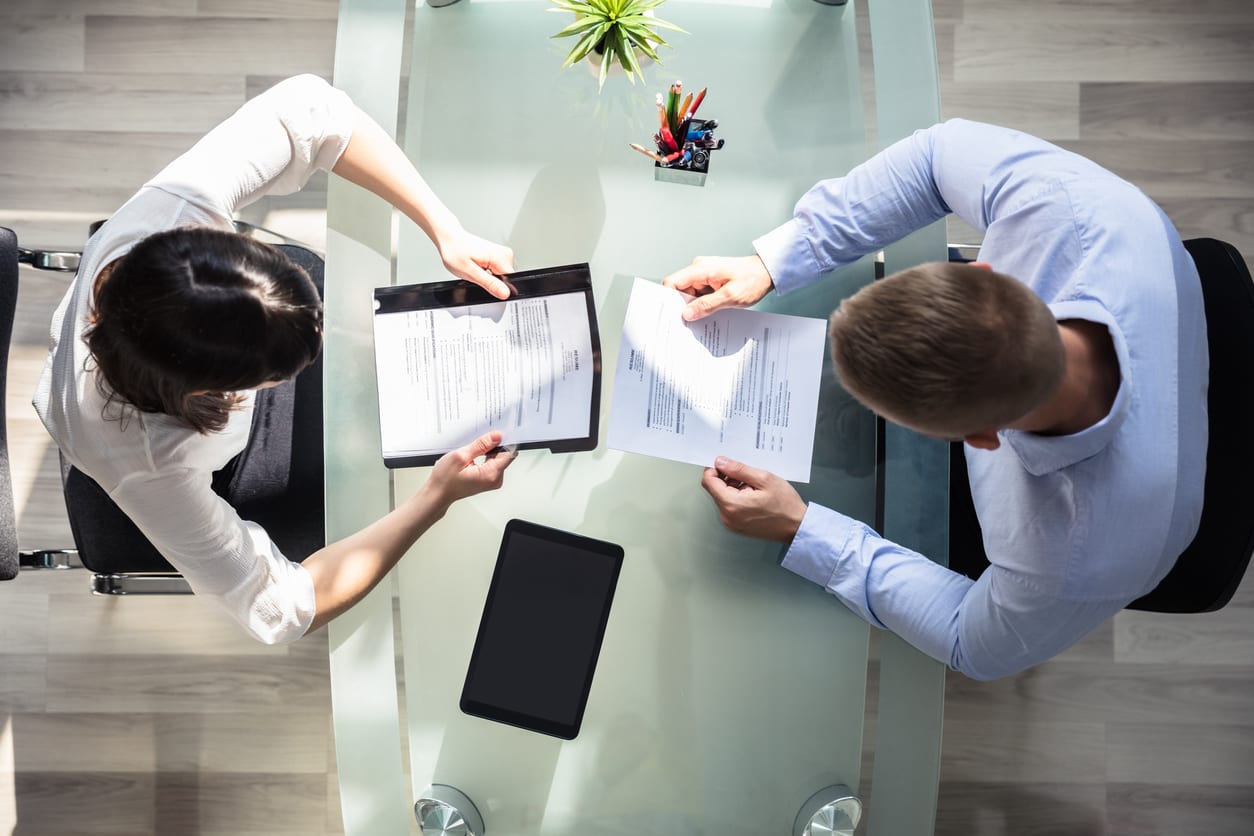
(175, 328)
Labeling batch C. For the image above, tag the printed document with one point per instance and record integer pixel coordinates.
(447, 375)
(738, 383)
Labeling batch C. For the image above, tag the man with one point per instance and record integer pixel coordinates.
(1078, 385)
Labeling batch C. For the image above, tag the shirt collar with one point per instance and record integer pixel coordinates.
(1041, 454)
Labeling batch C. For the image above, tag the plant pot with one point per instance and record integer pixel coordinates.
(593, 60)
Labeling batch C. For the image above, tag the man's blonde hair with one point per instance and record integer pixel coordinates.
(948, 349)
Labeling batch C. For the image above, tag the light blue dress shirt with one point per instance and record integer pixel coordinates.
(1076, 526)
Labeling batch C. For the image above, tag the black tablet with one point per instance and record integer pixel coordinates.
(541, 630)
(452, 363)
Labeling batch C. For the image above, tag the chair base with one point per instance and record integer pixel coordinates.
(140, 583)
(120, 583)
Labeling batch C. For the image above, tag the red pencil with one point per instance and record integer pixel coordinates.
(696, 104)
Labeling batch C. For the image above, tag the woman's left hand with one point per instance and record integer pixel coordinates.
(476, 259)
(477, 467)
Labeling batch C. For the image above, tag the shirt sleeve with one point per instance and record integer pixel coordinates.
(840, 220)
(974, 170)
(270, 146)
(221, 555)
(985, 629)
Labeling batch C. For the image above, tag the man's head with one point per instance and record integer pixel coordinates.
(950, 350)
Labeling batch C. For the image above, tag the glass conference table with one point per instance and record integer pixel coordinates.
(728, 691)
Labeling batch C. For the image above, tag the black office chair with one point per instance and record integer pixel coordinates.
(121, 558)
(9, 560)
(1209, 571)
(11, 557)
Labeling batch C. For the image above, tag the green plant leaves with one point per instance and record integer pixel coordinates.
(621, 26)
(626, 56)
(586, 44)
(581, 25)
(605, 68)
(641, 42)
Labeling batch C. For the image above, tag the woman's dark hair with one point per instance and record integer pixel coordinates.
(193, 315)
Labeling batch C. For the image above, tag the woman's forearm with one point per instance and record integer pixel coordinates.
(373, 161)
(345, 571)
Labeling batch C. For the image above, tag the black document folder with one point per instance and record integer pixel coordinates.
(453, 362)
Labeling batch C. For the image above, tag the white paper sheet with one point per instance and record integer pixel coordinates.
(446, 376)
(738, 383)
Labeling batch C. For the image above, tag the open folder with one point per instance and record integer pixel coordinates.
(453, 363)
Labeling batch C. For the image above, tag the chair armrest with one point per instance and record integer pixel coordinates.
(62, 262)
(49, 559)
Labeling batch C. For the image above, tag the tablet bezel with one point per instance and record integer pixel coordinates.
(502, 714)
(525, 284)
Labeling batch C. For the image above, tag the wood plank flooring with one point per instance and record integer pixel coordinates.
(157, 716)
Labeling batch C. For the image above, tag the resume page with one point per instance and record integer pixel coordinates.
(738, 383)
(448, 375)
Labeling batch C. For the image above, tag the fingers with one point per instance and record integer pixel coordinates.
(479, 261)
(497, 260)
(721, 282)
(708, 304)
(715, 485)
(496, 287)
(741, 472)
(695, 278)
(494, 465)
(500, 260)
(492, 284)
(481, 446)
(753, 502)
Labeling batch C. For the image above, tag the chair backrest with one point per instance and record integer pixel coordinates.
(8, 308)
(1210, 569)
(289, 508)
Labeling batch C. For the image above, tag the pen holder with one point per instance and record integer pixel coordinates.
(687, 176)
(689, 161)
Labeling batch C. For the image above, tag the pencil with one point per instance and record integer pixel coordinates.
(697, 103)
(669, 139)
(647, 152)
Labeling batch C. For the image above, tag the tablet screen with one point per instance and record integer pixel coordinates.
(540, 634)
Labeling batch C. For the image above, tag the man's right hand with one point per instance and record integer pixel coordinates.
(721, 282)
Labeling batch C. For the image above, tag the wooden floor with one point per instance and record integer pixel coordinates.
(155, 716)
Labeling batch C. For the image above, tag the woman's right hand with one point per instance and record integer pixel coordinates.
(459, 473)
(477, 260)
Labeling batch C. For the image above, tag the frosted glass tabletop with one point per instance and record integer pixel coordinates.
(728, 690)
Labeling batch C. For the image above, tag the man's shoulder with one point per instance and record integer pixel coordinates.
(1093, 530)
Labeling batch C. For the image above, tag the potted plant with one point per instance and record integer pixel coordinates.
(613, 29)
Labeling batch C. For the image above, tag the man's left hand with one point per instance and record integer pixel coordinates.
(754, 502)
